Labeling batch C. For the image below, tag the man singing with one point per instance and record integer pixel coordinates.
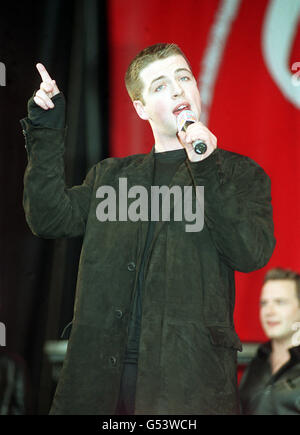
(153, 328)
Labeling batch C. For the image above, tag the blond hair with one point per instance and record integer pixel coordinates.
(133, 82)
(279, 273)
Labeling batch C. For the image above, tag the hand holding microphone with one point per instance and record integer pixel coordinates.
(184, 119)
(197, 139)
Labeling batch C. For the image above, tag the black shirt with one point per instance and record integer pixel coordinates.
(166, 165)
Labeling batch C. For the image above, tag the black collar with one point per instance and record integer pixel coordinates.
(265, 350)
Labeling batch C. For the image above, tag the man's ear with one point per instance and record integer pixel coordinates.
(140, 110)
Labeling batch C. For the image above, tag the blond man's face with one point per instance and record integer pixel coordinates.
(168, 83)
(279, 308)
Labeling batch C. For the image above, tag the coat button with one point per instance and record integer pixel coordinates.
(131, 266)
(118, 314)
(113, 360)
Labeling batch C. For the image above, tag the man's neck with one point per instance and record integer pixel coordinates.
(280, 353)
(281, 346)
(163, 144)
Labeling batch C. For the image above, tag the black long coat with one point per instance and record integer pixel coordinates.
(188, 344)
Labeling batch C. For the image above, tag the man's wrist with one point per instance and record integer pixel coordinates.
(51, 118)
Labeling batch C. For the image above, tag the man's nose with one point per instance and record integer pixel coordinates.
(270, 309)
(177, 90)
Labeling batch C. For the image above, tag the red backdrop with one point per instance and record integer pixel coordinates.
(253, 47)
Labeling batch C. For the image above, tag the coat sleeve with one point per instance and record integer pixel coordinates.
(52, 210)
(237, 209)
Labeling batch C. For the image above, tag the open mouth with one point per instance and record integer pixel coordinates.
(272, 324)
(180, 107)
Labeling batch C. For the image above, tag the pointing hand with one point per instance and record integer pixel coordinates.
(48, 89)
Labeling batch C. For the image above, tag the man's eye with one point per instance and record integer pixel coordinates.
(159, 88)
(185, 78)
(281, 302)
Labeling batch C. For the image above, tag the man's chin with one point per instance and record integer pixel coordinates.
(278, 336)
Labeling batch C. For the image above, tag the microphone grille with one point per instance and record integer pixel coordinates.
(183, 117)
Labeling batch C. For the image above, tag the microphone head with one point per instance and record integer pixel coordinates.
(183, 117)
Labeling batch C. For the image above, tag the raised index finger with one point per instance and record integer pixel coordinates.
(43, 72)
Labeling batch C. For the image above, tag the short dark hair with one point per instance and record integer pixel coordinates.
(148, 55)
(285, 274)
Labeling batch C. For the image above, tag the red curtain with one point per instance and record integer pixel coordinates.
(245, 55)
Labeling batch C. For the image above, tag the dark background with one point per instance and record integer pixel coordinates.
(38, 276)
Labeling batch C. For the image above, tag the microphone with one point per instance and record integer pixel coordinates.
(184, 119)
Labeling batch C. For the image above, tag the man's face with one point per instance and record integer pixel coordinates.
(279, 308)
(168, 84)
